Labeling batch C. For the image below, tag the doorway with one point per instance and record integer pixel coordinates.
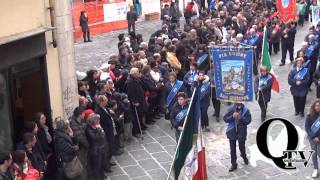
(28, 93)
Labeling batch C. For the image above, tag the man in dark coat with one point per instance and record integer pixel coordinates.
(84, 26)
(204, 99)
(108, 126)
(78, 127)
(132, 17)
(262, 89)
(238, 118)
(135, 90)
(165, 14)
(174, 13)
(287, 42)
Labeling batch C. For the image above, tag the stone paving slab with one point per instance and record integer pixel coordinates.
(152, 157)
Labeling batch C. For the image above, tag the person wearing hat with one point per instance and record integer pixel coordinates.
(87, 113)
(238, 118)
(298, 80)
(262, 89)
(287, 42)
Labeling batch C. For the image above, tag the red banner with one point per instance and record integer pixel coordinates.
(287, 10)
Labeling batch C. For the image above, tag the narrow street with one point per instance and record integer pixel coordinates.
(151, 158)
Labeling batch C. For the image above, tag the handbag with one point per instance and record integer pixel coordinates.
(73, 168)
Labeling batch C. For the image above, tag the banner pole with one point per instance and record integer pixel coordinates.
(179, 141)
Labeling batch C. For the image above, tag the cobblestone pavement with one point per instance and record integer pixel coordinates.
(151, 158)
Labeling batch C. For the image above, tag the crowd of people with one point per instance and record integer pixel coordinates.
(146, 81)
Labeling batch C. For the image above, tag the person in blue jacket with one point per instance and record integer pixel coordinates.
(298, 79)
(204, 99)
(172, 88)
(179, 113)
(238, 118)
(188, 78)
(312, 53)
(312, 127)
(262, 89)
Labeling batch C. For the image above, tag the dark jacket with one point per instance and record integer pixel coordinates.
(64, 146)
(45, 145)
(289, 41)
(36, 156)
(237, 129)
(84, 23)
(175, 111)
(301, 90)
(205, 95)
(265, 93)
(149, 83)
(174, 13)
(309, 121)
(168, 88)
(135, 90)
(165, 11)
(5, 176)
(97, 140)
(80, 138)
(132, 17)
(106, 123)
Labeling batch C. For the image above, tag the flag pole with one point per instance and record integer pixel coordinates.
(264, 102)
(179, 141)
(203, 155)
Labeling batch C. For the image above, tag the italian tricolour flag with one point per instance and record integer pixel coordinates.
(266, 61)
(189, 161)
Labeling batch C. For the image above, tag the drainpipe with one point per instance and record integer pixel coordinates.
(53, 23)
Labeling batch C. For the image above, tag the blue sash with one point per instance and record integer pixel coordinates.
(232, 125)
(300, 75)
(191, 77)
(201, 59)
(315, 127)
(182, 114)
(253, 40)
(311, 49)
(174, 92)
(306, 64)
(204, 89)
(264, 81)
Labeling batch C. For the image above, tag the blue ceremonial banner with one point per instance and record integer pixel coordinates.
(233, 74)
